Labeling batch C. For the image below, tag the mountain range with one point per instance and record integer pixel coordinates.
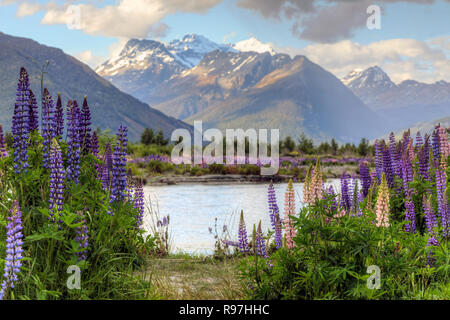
(110, 107)
(245, 85)
(403, 104)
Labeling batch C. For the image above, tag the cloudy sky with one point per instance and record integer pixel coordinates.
(413, 41)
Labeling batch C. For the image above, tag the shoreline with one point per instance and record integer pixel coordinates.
(224, 179)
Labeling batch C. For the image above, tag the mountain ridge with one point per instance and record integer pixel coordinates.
(73, 79)
(405, 103)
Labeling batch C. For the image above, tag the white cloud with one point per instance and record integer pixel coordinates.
(402, 59)
(128, 18)
(89, 58)
(226, 38)
(27, 9)
(95, 61)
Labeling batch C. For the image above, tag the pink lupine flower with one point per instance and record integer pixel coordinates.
(289, 211)
(306, 186)
(382, 205)
(315, 189)
(444, 145)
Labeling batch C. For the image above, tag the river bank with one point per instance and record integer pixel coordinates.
(329, 172)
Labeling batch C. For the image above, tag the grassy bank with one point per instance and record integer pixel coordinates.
(194, 278)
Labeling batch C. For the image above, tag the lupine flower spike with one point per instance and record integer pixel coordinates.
(260, 242)
(13, 250)
(33, 117)
(139, 203)
(119, 161)
(345, 192)
(365, 178)
(242, 235)
(3, 151)
(57, 176)
(82, 238)
(73, 149)
(307, 186)
(382, 205)
(442, 200)
(315, 189)
(59, 117)
(275, 216)
(430, 217)
(85, 125)
(48, 125)
(410, 215)
(20, 124)
(289, 212)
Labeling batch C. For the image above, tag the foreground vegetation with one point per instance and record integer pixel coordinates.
(396, 222)
(68, 208)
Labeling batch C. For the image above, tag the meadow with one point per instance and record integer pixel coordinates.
(71, 202)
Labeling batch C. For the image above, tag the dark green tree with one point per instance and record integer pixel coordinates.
(148, 137)
(363, 147)
(305, 145)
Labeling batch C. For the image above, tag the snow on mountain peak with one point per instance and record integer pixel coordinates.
(255, 45)
(372, 77)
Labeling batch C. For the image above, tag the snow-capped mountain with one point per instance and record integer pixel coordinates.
(373, 77)
(260, 90)
(405, 103)
(140, 66)
(254, 45)
(144, 64)
(191, 49)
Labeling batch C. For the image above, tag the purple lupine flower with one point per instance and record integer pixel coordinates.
(106, 167)
(430, 217)
(13, 250)
(94, 144)
(406, 140)
(436, 147)
(442, 200)
(33, 122)
(59, 117)
(82, 238)
(57, 177)
(139, 203)
(378, 160)
(424, 156)
(242, 235)
(94, 151)
(119, 161)
(73, 145)
(20, 128)
(410, 215)
(365, 178)
(407, 174)
(387, 167)
(345, 195)
(355, 195)
(260, 243)
(395, 155)
(419, 140)
(85, 125)
(432, 242)
(3, 151)
(335, 204)
(108, 157)
(274, 215)
(48, 126)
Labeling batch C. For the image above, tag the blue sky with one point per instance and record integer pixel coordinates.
(229, 19)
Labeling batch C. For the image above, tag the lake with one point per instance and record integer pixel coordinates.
(193, 208)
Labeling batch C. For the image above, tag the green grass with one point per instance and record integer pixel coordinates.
(194, 278)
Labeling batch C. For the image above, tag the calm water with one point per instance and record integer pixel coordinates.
(193, 209)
